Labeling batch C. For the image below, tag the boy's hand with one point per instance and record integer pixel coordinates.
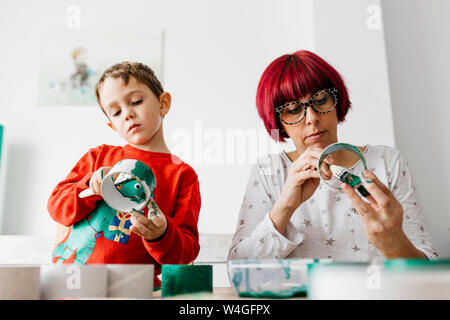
(152, 227)
(95, 182)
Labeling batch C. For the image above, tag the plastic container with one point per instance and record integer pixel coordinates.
(271, 278)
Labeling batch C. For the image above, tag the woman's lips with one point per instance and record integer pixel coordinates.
(317, 136)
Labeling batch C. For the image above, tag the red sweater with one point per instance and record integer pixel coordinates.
(177, 194)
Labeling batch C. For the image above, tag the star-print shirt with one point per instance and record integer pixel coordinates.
(177, 194)
(326, 226)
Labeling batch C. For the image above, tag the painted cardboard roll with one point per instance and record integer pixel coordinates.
(132, 281)
(19, 282)
(73, 281)
(128, 186)
(341, 174)
(184, 279)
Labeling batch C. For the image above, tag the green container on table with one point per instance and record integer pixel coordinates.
(417, 265)
(184, 279)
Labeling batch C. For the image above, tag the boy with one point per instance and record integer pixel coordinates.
(133, 100)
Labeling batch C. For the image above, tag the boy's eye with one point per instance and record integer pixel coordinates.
(137, 102)
(116, 113)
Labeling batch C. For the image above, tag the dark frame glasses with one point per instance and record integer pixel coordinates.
(310, 103)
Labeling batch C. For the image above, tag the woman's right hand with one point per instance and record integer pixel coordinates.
(95, 183)
(301, 183)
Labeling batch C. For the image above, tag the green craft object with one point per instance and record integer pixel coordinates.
(404, 265)
(132, 189)
(184, 279)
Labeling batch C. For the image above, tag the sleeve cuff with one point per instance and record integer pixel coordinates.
(292, 237)
(163, 244)
(85, 181)
(83, 184)
(276, 245)
(430, 255)
(160, 237)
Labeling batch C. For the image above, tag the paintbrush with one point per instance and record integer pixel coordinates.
(345, 176)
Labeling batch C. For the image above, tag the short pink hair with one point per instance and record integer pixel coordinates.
(291, 77)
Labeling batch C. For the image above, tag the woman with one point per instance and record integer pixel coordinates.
(287, 210)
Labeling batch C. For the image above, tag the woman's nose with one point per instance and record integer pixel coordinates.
(311, 115)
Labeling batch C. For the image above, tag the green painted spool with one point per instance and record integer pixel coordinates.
(185, 279)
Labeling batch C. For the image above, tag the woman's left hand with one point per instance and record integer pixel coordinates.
(382, 218)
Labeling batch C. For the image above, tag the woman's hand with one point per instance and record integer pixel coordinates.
(301, 183)
(150, 228)
(382, 218)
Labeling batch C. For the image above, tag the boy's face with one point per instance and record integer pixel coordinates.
(134, 110)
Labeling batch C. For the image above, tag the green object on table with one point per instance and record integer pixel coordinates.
(299, 291)
(416, 265)
(184, 279)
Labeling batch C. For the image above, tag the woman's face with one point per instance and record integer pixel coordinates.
(315, 130)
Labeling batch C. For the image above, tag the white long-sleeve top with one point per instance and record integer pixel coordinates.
(326, 225)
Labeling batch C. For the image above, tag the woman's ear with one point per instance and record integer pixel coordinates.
(165, 99)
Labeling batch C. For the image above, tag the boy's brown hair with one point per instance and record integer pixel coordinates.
(125, 70)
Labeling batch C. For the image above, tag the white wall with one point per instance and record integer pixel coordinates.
(214, 54)
(418, 49)
(349, 35)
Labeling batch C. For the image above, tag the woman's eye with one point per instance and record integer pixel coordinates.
(295, 110)
(321, 101)
(137, 102)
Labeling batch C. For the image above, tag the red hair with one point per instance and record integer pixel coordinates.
(291, 77)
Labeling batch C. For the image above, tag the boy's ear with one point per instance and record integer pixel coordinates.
(165, 99)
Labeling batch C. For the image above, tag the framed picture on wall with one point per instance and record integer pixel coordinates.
(71, 62)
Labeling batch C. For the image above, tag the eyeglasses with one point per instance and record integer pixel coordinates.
(321, 102)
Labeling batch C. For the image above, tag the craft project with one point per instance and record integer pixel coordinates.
(341, 174)
(128, 187)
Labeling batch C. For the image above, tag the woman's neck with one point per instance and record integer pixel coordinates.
(345, 158)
